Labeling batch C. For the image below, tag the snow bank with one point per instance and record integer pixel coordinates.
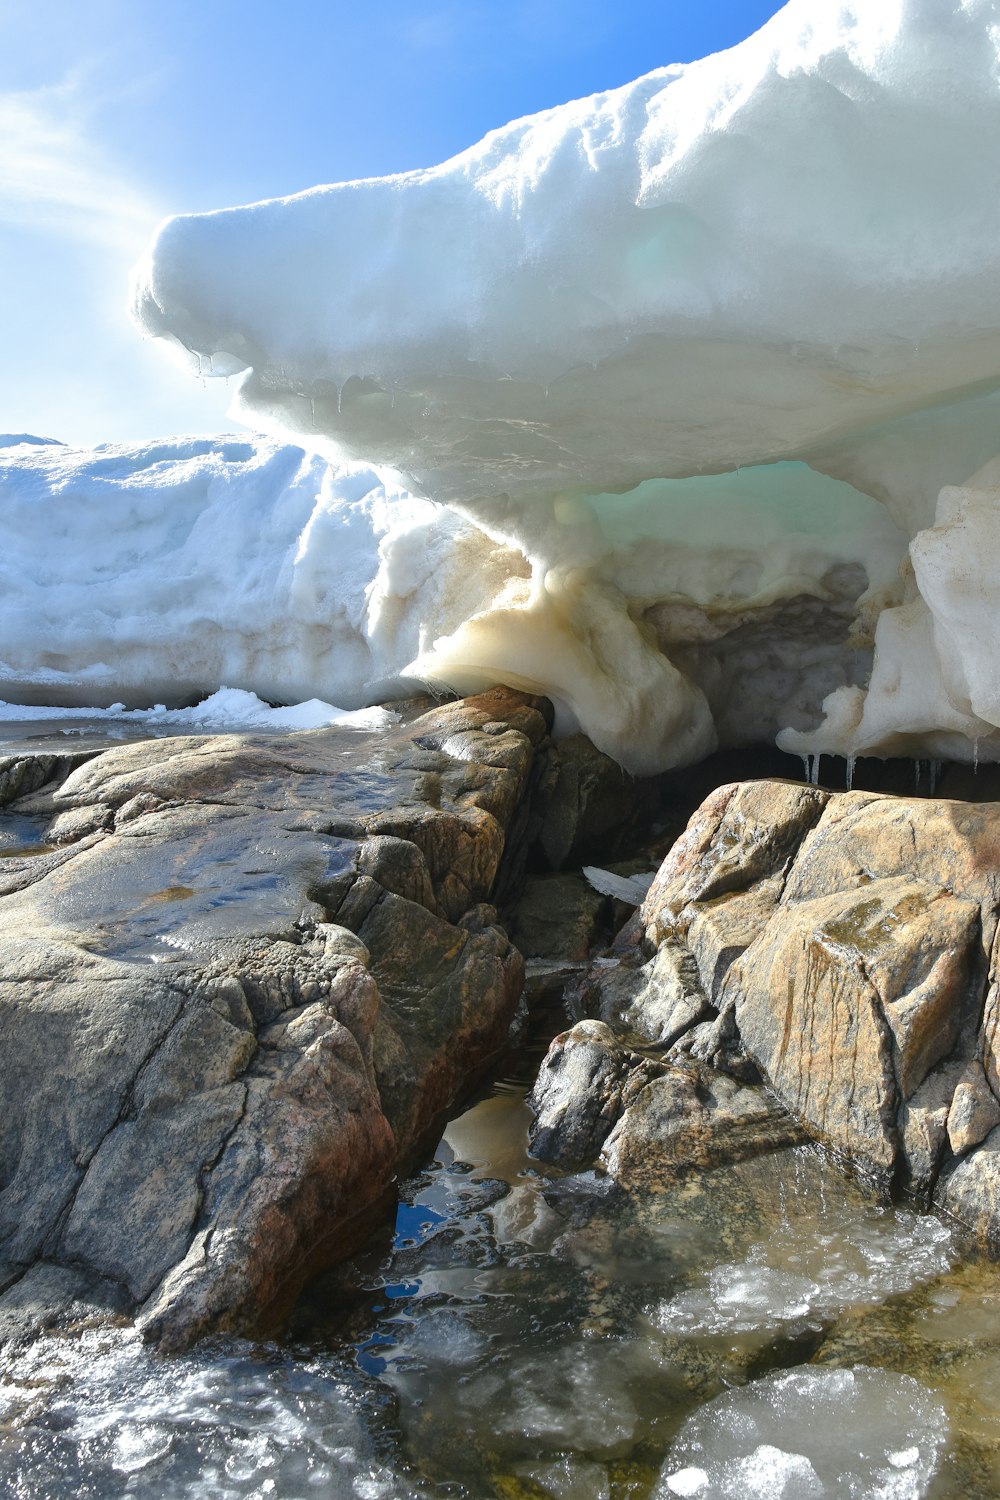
(152, 574)
(667, 346)
(155, 573)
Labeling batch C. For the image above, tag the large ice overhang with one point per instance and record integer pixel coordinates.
(783, 254)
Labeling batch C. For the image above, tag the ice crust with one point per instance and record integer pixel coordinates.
(672, 394)
(858, 1257)
(237, 1421)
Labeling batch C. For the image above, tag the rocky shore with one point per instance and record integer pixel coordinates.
(241, 977)
(805, 961)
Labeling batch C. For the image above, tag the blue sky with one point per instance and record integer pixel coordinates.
(115, 113)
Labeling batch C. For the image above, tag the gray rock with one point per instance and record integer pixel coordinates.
(584, 1084)
(592, 804)
(236, 994)
(557, 917)
(21, 774)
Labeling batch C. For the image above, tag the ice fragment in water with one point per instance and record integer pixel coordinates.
(687, 1482)
(444, 1337)
(812, 1432)
(861, 1257)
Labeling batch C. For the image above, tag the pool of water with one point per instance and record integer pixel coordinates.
(766, 1330)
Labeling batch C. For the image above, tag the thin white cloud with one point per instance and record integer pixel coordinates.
(55, 175)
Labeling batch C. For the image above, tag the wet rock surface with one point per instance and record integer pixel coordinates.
(814, 961)
(239, 978)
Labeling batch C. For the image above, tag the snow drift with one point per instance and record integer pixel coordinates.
(576, 338)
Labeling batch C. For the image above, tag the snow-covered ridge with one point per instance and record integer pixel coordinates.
(782, 259)
(691, 376)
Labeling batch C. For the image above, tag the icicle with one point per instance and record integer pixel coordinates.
(849, 774)
(339, 389)
(211, 364)
(810, 768)
(975, 756)
(935, 766)
(916, 774)
(312, 412)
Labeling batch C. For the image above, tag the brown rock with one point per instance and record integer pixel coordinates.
(741, 834)
(693, 1118)
(949, 846)
(845, 1004)
(974, 1110)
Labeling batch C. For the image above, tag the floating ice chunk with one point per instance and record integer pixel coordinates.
(444, 1337)
(812, 1432)
(540, 1403)
(687, 1482)
(793, 1277)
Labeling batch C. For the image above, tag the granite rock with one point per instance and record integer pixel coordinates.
(239, 978)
